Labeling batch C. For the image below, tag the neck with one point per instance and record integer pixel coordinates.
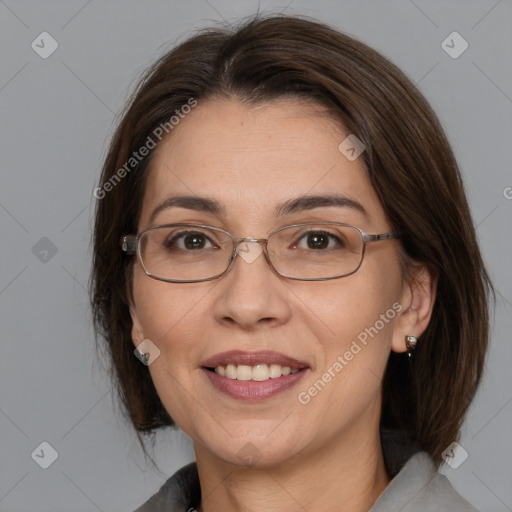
(349, 474)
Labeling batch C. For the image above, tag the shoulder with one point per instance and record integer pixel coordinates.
(180, 493)
(418, 486)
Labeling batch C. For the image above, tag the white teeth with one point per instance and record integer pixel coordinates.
(275, 371)
(230, 371)
(258, 372)
(243, 372)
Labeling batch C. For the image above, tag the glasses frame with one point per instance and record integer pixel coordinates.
(130, 244)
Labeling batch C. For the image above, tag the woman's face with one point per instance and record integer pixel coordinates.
(339, 332)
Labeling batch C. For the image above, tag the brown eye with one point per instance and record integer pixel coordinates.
(319, 240)
(194, 241)
(189, 241)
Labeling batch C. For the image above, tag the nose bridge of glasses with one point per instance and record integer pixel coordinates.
(238, 241)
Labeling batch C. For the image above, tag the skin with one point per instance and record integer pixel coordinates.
(309, 457)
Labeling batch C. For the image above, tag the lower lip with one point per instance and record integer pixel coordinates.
(253, 390)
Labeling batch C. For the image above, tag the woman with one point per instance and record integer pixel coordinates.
(298, 273)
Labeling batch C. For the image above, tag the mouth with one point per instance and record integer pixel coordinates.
(259, 372)
(253, 375)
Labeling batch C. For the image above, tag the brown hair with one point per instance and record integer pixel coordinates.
(411, 167)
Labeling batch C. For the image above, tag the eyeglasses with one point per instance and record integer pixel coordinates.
(190, 253)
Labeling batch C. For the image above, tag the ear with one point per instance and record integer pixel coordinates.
(137, 332)
(417, 300)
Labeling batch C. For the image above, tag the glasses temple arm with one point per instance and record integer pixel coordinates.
(129, 244)
(383, 236)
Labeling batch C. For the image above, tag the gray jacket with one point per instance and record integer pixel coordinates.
(415, 487)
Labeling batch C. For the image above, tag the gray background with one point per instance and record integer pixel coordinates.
(56, 117)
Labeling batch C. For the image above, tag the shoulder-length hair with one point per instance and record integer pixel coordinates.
(408, 160)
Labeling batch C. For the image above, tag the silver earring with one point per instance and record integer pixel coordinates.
(410, 343)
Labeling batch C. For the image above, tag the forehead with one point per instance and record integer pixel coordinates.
(252, 158)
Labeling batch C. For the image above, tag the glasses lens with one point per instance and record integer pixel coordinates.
(184, 252)
(316, 251)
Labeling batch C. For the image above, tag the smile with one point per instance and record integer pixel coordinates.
(259, 372)
(253, 375)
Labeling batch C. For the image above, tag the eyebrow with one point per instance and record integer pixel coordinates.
(201, 204)
(296, 205)
(310, 202)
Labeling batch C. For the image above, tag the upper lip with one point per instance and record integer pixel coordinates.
(253, 358)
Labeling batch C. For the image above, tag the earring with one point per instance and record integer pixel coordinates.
(410, 343)
(144, 358)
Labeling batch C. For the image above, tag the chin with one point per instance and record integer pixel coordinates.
(250, 452)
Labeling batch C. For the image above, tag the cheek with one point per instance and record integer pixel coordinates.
(171, 317)
(169, 313)
(358, 311)
(349, 307)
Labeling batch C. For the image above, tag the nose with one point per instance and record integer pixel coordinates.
(251, 295)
